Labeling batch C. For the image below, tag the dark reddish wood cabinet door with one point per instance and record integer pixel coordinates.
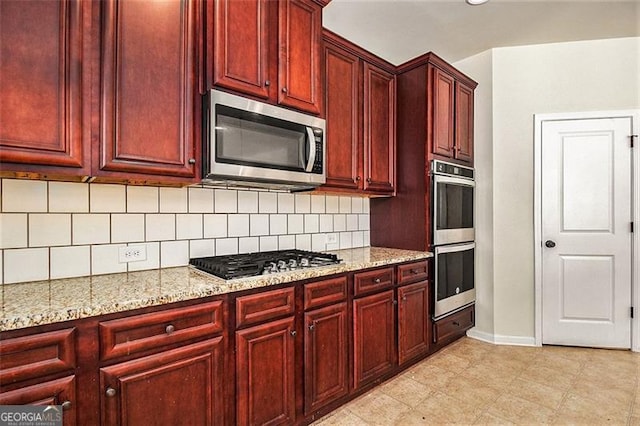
(379, 129)
(373, 337)
(149, 100)
(464, 123)
(300, 32)
(443, 113)
(183, 386)
(326, 360)
(342, 111)
(265, 385)
(54, 392)
(41, 90)
(241, 46)
(413, 321)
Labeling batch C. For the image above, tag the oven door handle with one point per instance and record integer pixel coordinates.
(312, 149)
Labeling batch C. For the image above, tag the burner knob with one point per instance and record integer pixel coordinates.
(293, 263)
(282, 264)
(273, 267)
(304, 262)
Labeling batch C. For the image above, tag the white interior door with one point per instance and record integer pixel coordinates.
(586, 232)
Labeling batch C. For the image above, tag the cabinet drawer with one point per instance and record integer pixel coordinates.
(28, 357)
(325, 292)
(416, 271)
(454, 325)
(143, 332)
(366, 282)
(264, 306)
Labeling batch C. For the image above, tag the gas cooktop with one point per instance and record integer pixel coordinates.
(268, 262)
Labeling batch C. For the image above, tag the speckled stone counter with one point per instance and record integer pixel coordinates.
(46, 302)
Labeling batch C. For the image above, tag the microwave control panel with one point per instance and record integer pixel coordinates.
(318, 163)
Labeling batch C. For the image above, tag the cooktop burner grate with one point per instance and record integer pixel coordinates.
(269, 262)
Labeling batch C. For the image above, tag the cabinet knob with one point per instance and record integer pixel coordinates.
(293, 333)
(66, 405)
(395, 302)
(404, 298)
(358, 178)
(170, 329)
(192, 161)
(368, 180)
(267, 83)
(312, 326)
(414, 272)
(456, 323)
(284, 90)
(111, 392)
(377, 280)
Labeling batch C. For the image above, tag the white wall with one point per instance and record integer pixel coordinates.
(562, 77)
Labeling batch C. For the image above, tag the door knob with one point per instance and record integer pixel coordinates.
(550, 244)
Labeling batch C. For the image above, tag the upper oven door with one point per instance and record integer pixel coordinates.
(254, 140)
(453, 210)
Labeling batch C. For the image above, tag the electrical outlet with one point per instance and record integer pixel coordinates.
(134, 253)
(332, 238)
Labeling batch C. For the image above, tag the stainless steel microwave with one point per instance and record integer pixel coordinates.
(251, 143)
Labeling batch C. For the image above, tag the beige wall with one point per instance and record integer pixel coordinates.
(563, 77)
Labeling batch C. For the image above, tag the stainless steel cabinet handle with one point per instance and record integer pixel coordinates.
(111, 392)
(377, 280)
(293, 333)
(192, 161)
(66, 405)
(284, 90)
(170, 329)
(312, 326)
(267, 83)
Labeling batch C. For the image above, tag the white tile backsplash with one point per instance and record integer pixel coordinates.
(13, 230)
(68, 197)
(24, 196)
(22, 265)
(49, 225)
(49, 229)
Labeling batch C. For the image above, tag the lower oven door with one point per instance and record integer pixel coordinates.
(455, 278)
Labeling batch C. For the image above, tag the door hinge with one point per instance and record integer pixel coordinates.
(632, 312)
(631, 227)
(633, 138)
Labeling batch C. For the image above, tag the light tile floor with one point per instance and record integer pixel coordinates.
(472, 382)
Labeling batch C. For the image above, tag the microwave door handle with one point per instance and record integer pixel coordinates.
(312, 150)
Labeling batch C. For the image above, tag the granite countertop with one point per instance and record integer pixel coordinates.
(46, 302)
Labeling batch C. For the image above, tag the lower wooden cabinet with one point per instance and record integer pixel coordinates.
(413, 321)
(326, 356)
(374, 343)
(265, 374)
(453, 326)
(178, 386)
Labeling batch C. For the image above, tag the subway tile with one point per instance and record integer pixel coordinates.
(345, 204)
(238, 225)
(286, 203)
(248, 245)
(303, 203)
(153, 257)
(188, 226)
(317, 204)
(160, 227)
(363, 222)
(352, 222)
(226, 201)
(22, 265)
(174, 200)
(277, 224)
(286, 242)
(22, 196)
(268, 243)
(49, 229)
(295, 224)
(332, 204)
(356, 205)
(226, 246)
(247, 202)
(357, 239)
(303, 242)
(259, 224)
(13, 230)
(311, 223)
(127, 228)
(345, 240)
(104, 259)
(68, 197)
(326, 223)
(74, 261)
(201, 248)
(339, 222)
(201, 200)
(142, 199)
(174, 253)
(90, 229)
(107, 198)
(333, 246)
(268, 202)
(318, 242)
(366, 206)
(215, 225)
(366, 239)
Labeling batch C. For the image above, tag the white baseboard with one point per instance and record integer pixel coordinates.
(498, 339)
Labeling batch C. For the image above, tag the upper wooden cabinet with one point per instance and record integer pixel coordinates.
(360, 101)
(464, 122)
(270, 50)
(43, 85)
(149, 98)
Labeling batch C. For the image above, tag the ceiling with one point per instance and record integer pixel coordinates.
(399, 30)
